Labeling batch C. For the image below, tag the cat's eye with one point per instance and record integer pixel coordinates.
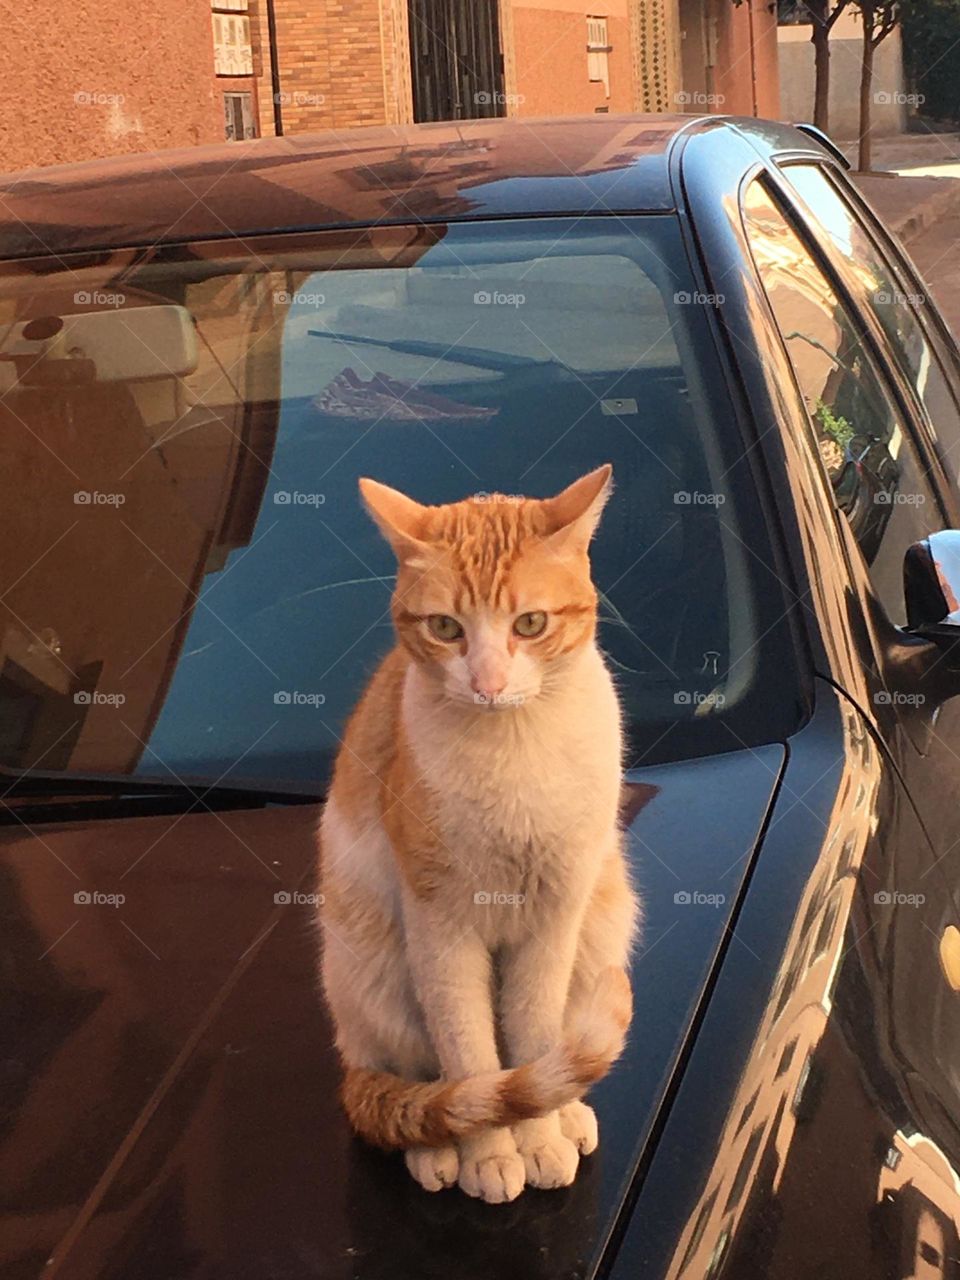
(530, 624)
(444, 627)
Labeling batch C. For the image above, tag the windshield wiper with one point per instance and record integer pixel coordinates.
(502, 361)
(63, 793)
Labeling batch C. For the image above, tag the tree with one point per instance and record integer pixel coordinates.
(879, 18)
(823, 15)
(931, 52)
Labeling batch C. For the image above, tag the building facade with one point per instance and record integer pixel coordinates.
(108, 78)
(351, 62)
(132, 77)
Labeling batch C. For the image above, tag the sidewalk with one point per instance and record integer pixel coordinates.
(916, 180)
(916, 191)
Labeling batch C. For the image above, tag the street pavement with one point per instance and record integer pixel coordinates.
(936, 253)
(915, 188)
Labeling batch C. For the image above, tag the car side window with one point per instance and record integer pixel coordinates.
(875, 469)
(878, 286)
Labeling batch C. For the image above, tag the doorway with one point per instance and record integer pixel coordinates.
(456, 59)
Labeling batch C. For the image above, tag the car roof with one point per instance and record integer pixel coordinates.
(399, 174)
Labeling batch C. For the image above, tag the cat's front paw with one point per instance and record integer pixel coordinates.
(549, 1158)
(433, 1167)
(491, 1168)
(579, 1124)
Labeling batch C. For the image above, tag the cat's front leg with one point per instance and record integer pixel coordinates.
(453, 976)
(535, 983)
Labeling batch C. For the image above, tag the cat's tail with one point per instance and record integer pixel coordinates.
(392, 1113)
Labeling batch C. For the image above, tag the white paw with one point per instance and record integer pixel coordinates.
(491, 1168)
(579, 1123)
(550, 1159)
(433, 1167)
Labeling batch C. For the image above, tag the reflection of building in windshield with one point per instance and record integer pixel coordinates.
(138, 464)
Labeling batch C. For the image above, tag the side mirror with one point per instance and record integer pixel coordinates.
(931, 587)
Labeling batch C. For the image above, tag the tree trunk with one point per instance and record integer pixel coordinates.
(866, 93)
(820, 35)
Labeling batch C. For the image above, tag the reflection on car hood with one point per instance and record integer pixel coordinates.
(170, 1071)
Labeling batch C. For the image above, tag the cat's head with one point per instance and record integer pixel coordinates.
(493, 593)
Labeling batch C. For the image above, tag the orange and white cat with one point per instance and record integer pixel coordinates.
(478, 915)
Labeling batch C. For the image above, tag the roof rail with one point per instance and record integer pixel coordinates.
(826, 142)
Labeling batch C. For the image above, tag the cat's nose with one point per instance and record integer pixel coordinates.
(487, 687)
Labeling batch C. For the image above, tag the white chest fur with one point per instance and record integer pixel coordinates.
(535, 783)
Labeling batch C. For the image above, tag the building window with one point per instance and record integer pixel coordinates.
(598, 53)
(238, 117)
(232, 49)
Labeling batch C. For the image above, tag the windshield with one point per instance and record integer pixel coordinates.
(189, 584)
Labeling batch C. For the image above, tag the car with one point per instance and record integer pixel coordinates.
(200, 354)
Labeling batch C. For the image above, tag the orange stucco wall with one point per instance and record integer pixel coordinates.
(746, 74)
(102, 77)
(550, 44)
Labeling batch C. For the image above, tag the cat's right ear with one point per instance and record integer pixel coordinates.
(398, 518)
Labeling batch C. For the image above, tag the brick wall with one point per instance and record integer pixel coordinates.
(342, 63)
(103, 77)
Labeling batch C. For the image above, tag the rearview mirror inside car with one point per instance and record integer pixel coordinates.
(110, 344)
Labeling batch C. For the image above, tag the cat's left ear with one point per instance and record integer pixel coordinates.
(399, 519)
(575, 513)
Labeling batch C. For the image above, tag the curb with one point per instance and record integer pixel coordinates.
(933, 204)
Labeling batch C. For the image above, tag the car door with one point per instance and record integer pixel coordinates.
(921, 375)
(802, 1139)
(862, 425)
